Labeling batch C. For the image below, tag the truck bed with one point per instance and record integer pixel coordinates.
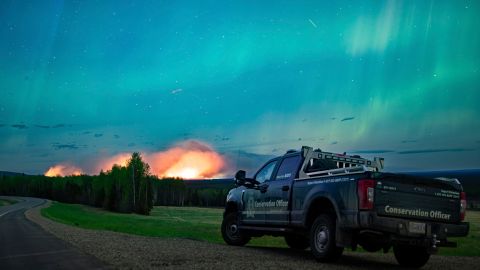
(417, 198)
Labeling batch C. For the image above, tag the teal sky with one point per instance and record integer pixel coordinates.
(84, 80)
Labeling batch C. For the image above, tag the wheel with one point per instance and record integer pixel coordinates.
(297, 242)
(322, 239)
(230, 232)
(411, 256)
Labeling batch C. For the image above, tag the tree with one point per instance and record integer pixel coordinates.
(139, 172)
(98, 189)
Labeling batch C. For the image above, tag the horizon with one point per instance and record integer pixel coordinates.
(232, 176)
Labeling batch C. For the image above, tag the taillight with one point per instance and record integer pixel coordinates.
(463, 205)
(365, 194)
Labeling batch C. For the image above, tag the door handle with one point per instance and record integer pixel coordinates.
(285, 188)
(263, 188)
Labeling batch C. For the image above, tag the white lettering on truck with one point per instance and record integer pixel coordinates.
(417, 212)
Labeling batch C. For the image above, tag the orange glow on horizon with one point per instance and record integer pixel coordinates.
(63, 170)
(188, 160)
(107, 164)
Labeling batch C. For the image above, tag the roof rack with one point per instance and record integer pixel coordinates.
(345, 164)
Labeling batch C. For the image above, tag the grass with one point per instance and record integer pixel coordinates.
(470, 245)
(202, 224)
(5, 202)
(182, 222)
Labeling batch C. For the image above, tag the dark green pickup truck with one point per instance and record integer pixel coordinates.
(326, 201)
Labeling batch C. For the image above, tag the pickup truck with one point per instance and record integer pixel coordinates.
(326, 202)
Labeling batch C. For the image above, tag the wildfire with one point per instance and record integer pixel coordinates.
(63, 170)
(188, 160)
(107, 164)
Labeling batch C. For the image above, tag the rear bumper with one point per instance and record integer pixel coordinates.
(399, 226)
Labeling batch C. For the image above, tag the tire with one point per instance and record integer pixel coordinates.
(411, 256)
(297, 242)
(322, 239)
(230, 232)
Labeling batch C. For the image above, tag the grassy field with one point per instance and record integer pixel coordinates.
(183, 222)
(201, 224)
(470, 245)
(5, 202)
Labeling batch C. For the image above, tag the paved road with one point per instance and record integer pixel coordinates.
(25, 245)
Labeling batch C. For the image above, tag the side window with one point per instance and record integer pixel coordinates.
(288, 168)
(266, 173)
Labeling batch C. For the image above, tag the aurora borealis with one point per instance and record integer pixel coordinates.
(81, 81)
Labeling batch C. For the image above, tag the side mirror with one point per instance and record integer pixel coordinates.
(240, 177)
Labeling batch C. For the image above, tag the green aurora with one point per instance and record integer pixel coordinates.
(82, 80)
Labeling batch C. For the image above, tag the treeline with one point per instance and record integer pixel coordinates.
(121, 189)
(175, 192)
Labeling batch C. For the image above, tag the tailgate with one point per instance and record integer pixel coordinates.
(421, 199)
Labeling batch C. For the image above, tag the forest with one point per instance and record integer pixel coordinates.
(122, 189)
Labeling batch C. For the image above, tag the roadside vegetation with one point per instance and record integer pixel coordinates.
(201, 224)
(181, 222)
(5, 202)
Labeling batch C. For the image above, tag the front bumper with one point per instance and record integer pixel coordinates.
(399, 227)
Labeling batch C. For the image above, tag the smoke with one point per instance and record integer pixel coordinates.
(63, 170)
(188, 160)
(107, 163)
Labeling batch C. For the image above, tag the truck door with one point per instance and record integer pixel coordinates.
(277, 193)
(254, 198)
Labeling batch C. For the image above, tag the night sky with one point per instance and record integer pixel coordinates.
(82, 81)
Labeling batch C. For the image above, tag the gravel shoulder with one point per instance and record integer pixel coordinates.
(124, 251)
